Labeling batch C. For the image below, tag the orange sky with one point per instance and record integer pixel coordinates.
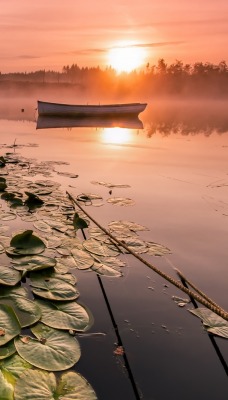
(52, 33)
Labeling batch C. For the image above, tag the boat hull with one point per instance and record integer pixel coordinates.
(109, 110)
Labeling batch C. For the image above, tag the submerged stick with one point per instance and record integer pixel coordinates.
(216, 309)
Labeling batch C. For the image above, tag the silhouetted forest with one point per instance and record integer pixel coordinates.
(177, 79)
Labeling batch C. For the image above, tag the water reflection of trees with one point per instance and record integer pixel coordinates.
(187, 119)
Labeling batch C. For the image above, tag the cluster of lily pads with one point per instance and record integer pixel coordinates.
(39, 314)
(38, 291)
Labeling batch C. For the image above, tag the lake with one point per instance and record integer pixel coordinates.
(176, 172)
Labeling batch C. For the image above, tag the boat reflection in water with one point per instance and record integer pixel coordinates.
(45, 122)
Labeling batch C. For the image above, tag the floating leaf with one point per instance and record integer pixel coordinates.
(7, 350)
(8, 216)
(112, 262)
(14, 365)
(52, 288)
(42, 226)
(82, 259)
(180, 301)
(103, 269)
(110, 185)
(100, 249)
(67, 315)
(26, 243)
(135, 244)
(121, 201)
(53, 350)
(8, 276)
(155, 249)
(122, 225)
(34, 263)
(9, 324)
(212, 322)
(26, 310)
(70, 386)
(6, 388)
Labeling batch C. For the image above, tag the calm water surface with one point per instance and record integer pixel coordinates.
(177, 169)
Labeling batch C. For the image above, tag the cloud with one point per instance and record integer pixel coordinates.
(143, 45)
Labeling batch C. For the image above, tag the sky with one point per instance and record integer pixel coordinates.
(50, 34)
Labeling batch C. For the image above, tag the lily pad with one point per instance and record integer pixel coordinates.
(53, 288)
(6, 388)
(132, 226)
(105, 270)
(156, 249)
(111, 185)
(121, 201)
(212, 322)
(34, 263)
(135, 244)
(82, 259)
(14, 366)
(27, 312)
(9, 324)
(67, 315)
(70, 386)
(7, 350)
(26, 243)
(100, 249)
(52, 350)
(8, 276)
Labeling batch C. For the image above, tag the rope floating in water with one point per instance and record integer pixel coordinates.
(199, 296)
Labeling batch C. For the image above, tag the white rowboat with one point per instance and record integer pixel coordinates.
(108, 110)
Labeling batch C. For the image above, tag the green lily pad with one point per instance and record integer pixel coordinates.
(53, 288)
(13, 291)
(26, 243)
(212, 322)
(82, 259)
(8, 276)
(27, 312)
(53, 350)
(7, 350)
(33, 263)
(14, 365)
(67, 315)
(71, 385)
(9, 324)
(6, 388)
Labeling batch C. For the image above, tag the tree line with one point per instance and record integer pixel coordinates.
(177, 78)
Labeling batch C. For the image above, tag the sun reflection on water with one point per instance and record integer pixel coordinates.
(117, 135)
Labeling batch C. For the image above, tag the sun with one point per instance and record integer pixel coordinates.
(126, 58)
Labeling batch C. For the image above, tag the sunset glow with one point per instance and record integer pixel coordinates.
(126, 58)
